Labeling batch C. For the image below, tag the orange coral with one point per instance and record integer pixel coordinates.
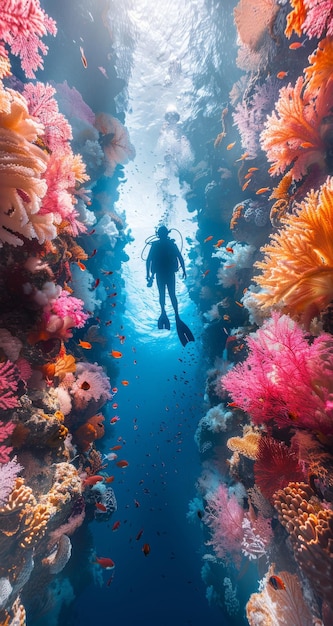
(296, 18)
(86, 434)
(254, 18)
(320, 69)
(291, 135)
(297, 270)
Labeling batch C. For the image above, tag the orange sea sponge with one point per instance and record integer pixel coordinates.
(297, 269)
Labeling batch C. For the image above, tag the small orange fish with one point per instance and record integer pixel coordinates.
(116, 354)
(101, 507)
(239, 303)
(96, 283)
(262, 190)
(146, 549)
(219, 243)
(109, 479)
(226, 318)
(83, 58)
(122, 464)
(118, 447)
(307, 144)
(229, 249)
(248, 175)
(231, 145)
(243, 157)
(281, 75)
(116, 525)
(81, 266)
(114, 419)
(92, 232)
(276, 582)
(228, 267)
(85, 344)
(114, 389)
(208, 238)
(205, 273)
(125, 383)
(253, 169)
(233, 405)
(296, 45)
(115, 405)
(92, 480)
(246, 184)
(105, 562)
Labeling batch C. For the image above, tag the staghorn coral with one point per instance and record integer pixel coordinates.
(279, 606)
(284, 378)
(297, 269)
(310, 529)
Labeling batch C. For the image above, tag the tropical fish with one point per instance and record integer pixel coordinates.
(122, 464)
(101, 507)
(229, 250)
(114, 389)
(208, 238)
(118, 447)
(262, 190)
(85, 344)
(105, 562)
(276, 582)
(281, 75)
(116, 354)
(116, 525)
(239, 303)
(110, 457)
(246, 184)
(92, 480)
(139, 535)
(103, 70)
(243, 157)
(219, 243)
(83, 58)
(96, 283)
(231, 145)
(109, 479)
(205, 273)
(253, 169)
(146, 549)
(307, 144)
(125, 383)
(115, 405)
(93, 253)
(81, 266)
(114, 419)
(296, 45)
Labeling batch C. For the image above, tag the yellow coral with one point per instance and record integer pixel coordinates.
(297, 269)
(246, 445)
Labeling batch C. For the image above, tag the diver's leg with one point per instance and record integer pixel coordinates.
(171, 285)
(161, 290)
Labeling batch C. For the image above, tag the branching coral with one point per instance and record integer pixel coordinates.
(312, 17)
(22, 24)
(284, 378)
(291, 135)
(43, 106)
(310, 529)
(320, 69)
(276, 465)
(297, 270)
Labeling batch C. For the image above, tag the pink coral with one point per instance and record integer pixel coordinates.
(275, 467)
(9, 379)
(22, 24)
(43, 106)
(72, 103)
(115, 140)
(224, 516)
(6, 430)
(92, 376)
(285, 378)
(8, 474)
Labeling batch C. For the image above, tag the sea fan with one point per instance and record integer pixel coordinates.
(275, 467)
(320, 69)
(224, 516)
(253, 19)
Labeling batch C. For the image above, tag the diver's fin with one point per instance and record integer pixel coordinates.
(184, 333)
(163, 321)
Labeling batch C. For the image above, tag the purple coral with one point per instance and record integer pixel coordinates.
(8, 474)
(224, 516)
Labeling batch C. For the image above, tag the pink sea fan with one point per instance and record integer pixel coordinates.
(6, 430)
(224, 516)
(9, 379)
(22, 24)
(115, 141)
(43, 105)
(8, 475)
(285, 378)
(72, 103)
(319, 18)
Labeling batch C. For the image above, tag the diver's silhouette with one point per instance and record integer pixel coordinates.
(163, 262)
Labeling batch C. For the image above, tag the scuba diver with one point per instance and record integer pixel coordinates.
(163, 262)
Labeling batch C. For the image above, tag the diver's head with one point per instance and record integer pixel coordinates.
(162, 232)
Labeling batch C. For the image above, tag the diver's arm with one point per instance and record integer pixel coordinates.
(149, 264)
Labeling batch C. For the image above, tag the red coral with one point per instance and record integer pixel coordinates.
(276, 466)
(6, 430)
(22, 24)
(8, 385)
